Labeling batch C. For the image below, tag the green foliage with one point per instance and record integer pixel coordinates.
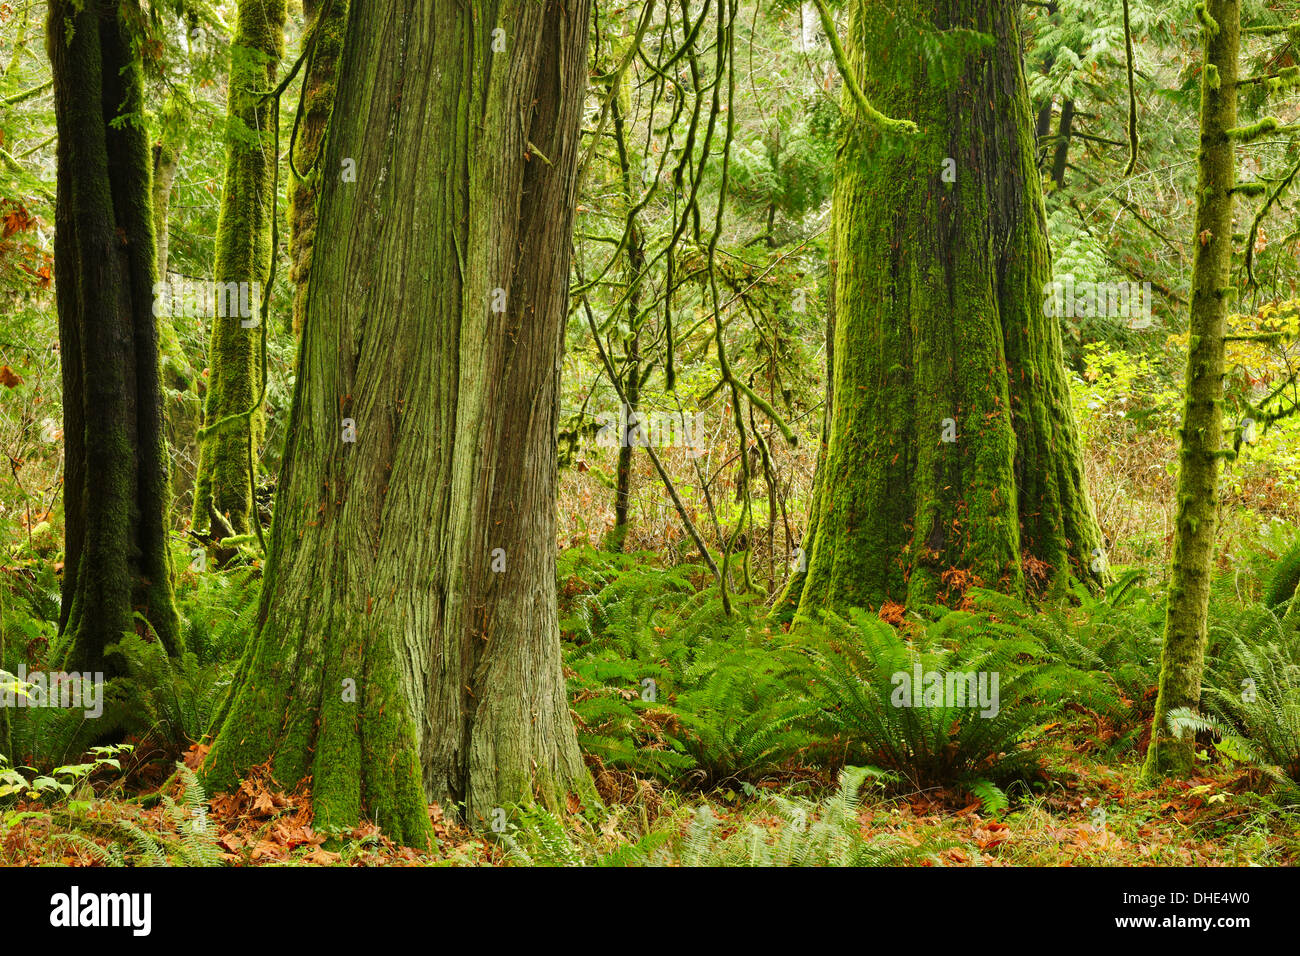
(864, 665)
(175, 700)
(50, 736)
(794, 831)
(171, 700)
(663, 681)
(787, 169)
(541, 839)
(1285, 578)
(188, 840)
(220, 613)
(809, 833)
(60, 783)
(1114, 639)
(1252, 696)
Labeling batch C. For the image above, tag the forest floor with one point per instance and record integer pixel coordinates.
(1089, 814)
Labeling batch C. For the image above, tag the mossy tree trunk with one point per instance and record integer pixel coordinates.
(409, 646)
(117, 563)
(1183, 659)
(953, 456)
(182, 405)
(243, 255)
(178, 373)
(327, 19)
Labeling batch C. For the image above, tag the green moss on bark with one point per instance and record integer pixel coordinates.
(383, 565)
(319, 84)
(1183, 659)
(243, 255)
(117, 571)
(942, 259)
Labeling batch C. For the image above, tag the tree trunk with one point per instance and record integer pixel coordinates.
(1063, 134)
(117, 563)
(1183, 660)
(953, 457)
(635, 254)
(243, 255)
(178, 373)
(413, 553)
(319, 84)
(182, 405)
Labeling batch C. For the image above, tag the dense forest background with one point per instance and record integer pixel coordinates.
(610, 402)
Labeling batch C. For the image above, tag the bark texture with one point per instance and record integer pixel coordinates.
(953, 456)
(117, 564)
(1183, 659)
(418, 561)
(327, 19)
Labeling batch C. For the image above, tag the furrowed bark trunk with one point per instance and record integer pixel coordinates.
(416, 563)
(953, 457)
(243, 256)
(1192, 569)
(319, 84)
(117, 570)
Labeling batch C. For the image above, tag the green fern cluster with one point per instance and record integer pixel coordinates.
(220, 613)
(796, 831)
(1283, 581)
(189, 840)
(808, 833)
(174, 701)
(171, 700)
(1114, 638)
(541, 839)
(862, 663)
(1251, 697)
(663, 682)
(743, 702)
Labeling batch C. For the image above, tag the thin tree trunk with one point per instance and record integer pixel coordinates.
(243, 255)
(1063, 133)
(632, 341)
(409, 645)
(953, 457)
(117, 564)
(1191, 572)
